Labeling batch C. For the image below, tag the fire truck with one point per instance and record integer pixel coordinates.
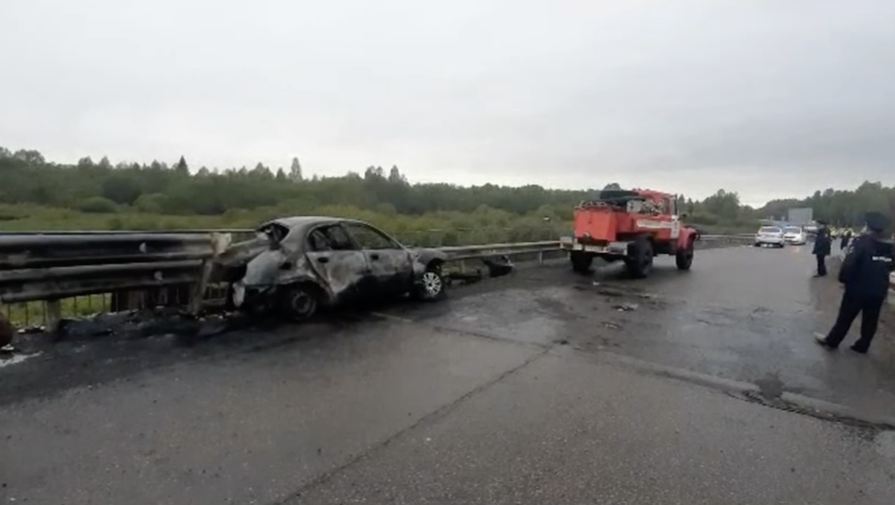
(633, 226)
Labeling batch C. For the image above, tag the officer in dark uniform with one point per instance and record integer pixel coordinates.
(865, 273)
(821, 250)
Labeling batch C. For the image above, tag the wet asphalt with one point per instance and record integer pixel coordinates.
(541, 387)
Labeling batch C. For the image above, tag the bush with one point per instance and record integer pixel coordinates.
(151, 204)
(98, 205)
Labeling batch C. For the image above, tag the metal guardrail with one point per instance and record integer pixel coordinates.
(47, 267)
(118, 270)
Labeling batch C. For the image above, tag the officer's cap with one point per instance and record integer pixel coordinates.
(875, 221)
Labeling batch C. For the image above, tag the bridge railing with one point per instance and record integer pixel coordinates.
(45, 277)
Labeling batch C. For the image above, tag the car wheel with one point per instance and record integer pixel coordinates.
(431, 286)
(300, 302)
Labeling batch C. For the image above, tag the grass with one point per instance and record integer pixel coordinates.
(30, 314)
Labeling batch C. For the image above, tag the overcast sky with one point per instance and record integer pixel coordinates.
(769, 98)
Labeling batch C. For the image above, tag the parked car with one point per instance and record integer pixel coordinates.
(795, 235)
(298, 264)
(770, 235)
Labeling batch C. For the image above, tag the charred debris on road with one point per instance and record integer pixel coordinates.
(175, 321)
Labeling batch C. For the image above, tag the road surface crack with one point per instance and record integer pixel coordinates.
(788, 406)
(436, 414)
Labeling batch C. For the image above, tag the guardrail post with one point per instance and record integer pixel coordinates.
(54, 315)
(219, 243)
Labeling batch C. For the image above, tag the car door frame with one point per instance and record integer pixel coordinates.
(345, 272)
(391, 268)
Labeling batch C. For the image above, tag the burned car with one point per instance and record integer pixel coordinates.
(298, 264)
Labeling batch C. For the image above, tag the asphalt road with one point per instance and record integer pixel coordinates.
(541, 387)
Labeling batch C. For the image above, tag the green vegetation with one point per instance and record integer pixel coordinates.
(35, 313)
(39, 195)
(842, 207)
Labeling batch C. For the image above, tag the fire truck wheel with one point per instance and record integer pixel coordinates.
(581, 261)
(639, 262)
(684, 257)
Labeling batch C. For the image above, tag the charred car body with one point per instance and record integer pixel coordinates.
(298, 264)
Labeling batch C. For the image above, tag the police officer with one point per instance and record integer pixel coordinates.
(821, 250)
(865, 273)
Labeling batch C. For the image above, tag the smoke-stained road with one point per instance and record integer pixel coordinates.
(543, 387)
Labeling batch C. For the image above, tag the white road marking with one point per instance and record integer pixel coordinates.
(16, 359)
(392, 317)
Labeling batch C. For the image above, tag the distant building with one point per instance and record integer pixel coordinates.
(800, 216)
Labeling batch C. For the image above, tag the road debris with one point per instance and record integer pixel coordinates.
(465, 277)
(614, 292)
(625, 307)
(137, 324)
(498, 266)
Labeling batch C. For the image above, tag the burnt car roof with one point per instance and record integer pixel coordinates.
(301, 221)
(304, 222)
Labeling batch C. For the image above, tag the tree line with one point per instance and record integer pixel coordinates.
(35, 192)
(175, 189)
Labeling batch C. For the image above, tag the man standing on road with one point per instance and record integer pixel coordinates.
(846, 238)
(822, 243)
(865, 273)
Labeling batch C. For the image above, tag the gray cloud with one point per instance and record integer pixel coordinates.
(763, 97)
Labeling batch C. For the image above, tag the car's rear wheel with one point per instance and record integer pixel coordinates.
(300, 302)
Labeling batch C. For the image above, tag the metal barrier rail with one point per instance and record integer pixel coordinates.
(47, 267)
(127, 270)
